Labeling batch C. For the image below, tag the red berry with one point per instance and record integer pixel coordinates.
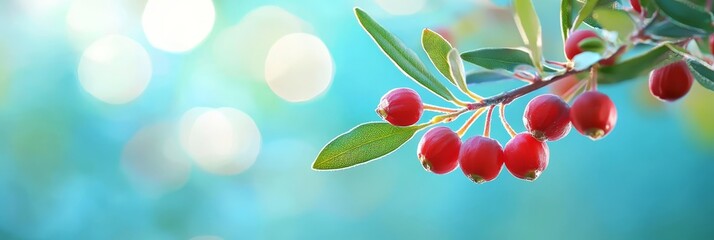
(572, 44)
(593, 114)
(547, 117)
(526, 157)
(481, 159)
(636, 5)
(401, 107)
(562, 86)
(438, 150)
(671, 82)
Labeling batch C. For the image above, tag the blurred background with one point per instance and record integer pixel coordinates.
(200, 119)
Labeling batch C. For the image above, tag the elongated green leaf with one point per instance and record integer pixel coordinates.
(639, 65)
(566, 20)
(669, 29)
(529, 26)
(457, 69)
(687, 13)
(404, 58)
(488, 76)
(615, 20)
(585, 12)
(362, 144)
(702, 72)
(499, 58)
(437, 48)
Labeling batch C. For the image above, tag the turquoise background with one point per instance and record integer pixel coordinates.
(60, 148)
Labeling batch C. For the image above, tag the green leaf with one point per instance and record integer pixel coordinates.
(635, 66)
(687, 14)
(592, 44)
(529, 26)
(586, 60)
(362, 144)
(669, 29)
(488, 76)
(499, 58)
(615, 20)
(437, 48)
(585, 12)
(404, 58)
(566, 20)
(702, 72)
(457, 69)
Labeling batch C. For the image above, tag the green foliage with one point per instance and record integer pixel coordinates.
(437, 48)
(687, 14)
(362, 144)
(404, 58)
(702, 72)
(499, 58)
(657, 36)
(639, 65)
(488, 76)
(530, 29)
(585, 12)
(615, 20)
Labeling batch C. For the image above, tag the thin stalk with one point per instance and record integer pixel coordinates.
(487, 127)
(469, 122)
(502, 114)
(433, 108)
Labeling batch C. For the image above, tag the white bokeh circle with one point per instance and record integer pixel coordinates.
(177, 25)
(239, 55)
(115, 69)
(223, 141)
(299, 67)
(88, 20)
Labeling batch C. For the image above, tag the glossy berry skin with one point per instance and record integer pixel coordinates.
(572, 47)
(401, 107)
(438, 150)
(547, 117)
(671, 82)
(593, 114)
(526, 157)
(481, 159)
(636, 5)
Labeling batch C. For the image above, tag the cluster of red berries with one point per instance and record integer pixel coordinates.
(547, 118)
(667, 83)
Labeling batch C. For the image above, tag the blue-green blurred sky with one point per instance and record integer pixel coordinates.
(181, 119)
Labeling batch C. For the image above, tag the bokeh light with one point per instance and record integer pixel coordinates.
(153, 161)
(178, 25)
(88, 20)
(115, 69)
(223, 141)
(401, 7)
(298, 67)
(240, 50)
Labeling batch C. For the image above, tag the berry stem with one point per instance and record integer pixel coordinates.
(502, 114)
(593, 78)
(469, 122)
(573, 91)
(503, 98)
(487, 127)
(438, 109)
